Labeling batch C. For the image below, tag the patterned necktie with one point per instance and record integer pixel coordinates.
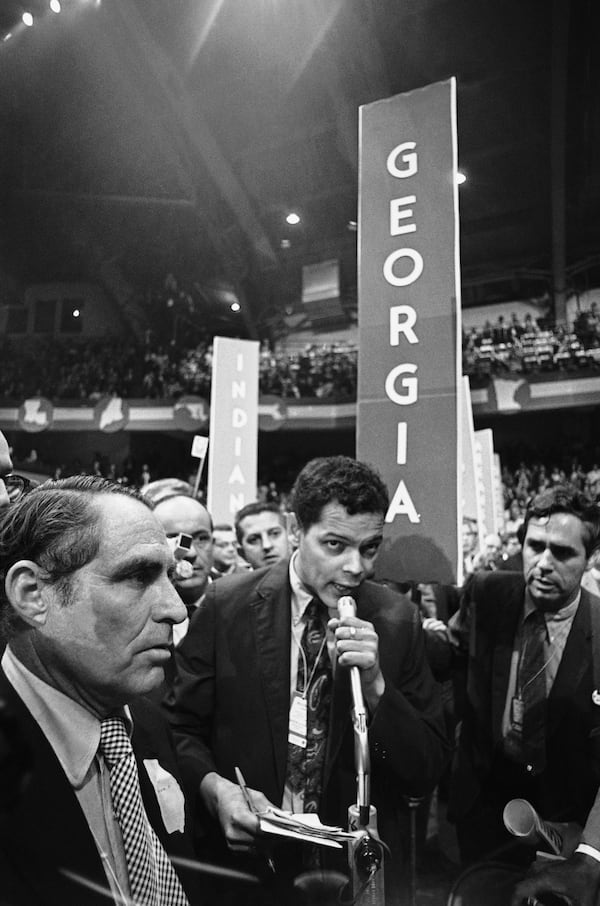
(314, 681)
(527, 742)
(152, 878)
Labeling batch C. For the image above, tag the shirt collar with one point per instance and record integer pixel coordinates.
(565, 613)
(301, 597)
(72, 730)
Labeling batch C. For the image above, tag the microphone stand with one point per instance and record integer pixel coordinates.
(365, 856)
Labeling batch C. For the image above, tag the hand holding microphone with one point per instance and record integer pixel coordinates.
(357, 646)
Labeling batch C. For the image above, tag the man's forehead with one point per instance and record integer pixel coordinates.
(5, 462)
(336, 519)
(182, 511)
(124, 522)
(266, 519)
(556, 525)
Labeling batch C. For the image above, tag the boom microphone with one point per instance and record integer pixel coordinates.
(347, 608)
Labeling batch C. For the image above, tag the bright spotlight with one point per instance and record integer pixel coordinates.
(292, 219)
(55, 6)
(27, 19)
(76, 312)
(460, 178)
(235, 306)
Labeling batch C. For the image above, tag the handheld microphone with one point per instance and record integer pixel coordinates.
(347, 608)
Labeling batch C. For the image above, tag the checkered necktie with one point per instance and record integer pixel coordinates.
(152, 878)
(305, 765)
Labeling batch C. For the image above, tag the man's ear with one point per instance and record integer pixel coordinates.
(24, 586)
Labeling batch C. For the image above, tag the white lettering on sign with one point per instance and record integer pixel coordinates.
(410, 385)
(237, 476)
(405, 327)
(408, 278)
(402, 505)
(237, 445)
(239, 418)
(409, 159)
(236, 502)
(397, 214)
(402, 267)
(401, 444)
(238, 390)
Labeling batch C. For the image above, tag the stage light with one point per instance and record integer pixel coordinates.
(292, 219)
(7, 37)
(460, 178)
(55, 6)
(235, 306)
(27, 19)
(76, 312)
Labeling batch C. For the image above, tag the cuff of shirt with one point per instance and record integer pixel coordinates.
(588, 850)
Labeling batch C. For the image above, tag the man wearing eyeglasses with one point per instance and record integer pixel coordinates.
(5, 468)
(187, 521)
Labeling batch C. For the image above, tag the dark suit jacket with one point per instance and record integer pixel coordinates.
(230, 704)
(43, 830)
(488, 623)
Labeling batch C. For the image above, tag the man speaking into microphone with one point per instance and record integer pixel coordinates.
(263, 683)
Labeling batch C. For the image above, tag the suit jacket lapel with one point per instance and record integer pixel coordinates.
(574, 663)
(48, 822)
(270, 609)
(508, 613)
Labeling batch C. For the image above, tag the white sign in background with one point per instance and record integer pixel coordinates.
(233, 451)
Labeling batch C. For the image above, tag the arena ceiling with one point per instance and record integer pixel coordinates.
(175, 135)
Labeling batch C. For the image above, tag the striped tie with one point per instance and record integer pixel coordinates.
(152, 878)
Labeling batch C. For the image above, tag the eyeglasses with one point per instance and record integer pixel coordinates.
(16, 486)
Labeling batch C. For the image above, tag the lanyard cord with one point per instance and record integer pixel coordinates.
(308, 681)
(542, 668)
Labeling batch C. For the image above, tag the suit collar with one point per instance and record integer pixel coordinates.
(270, 612)
(509, 611)
(573, 665)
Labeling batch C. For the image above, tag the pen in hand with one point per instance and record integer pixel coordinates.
(248, 800)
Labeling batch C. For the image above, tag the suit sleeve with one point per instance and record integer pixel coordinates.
(407, 732)
(189, 704)
(591, 831)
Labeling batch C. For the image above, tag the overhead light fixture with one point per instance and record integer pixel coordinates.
(76, 312)
(235, 306)
(292, 218)
(55, 6)
(27, 19)
(460, 178)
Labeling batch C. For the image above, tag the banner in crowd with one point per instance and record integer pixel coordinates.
(409, 332)
(484, 443)
(233, 449)
(473, 492)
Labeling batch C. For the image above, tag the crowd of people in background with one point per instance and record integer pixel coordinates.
(86, 369)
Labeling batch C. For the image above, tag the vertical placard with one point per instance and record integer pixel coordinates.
(233, 427)
(409, 331)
